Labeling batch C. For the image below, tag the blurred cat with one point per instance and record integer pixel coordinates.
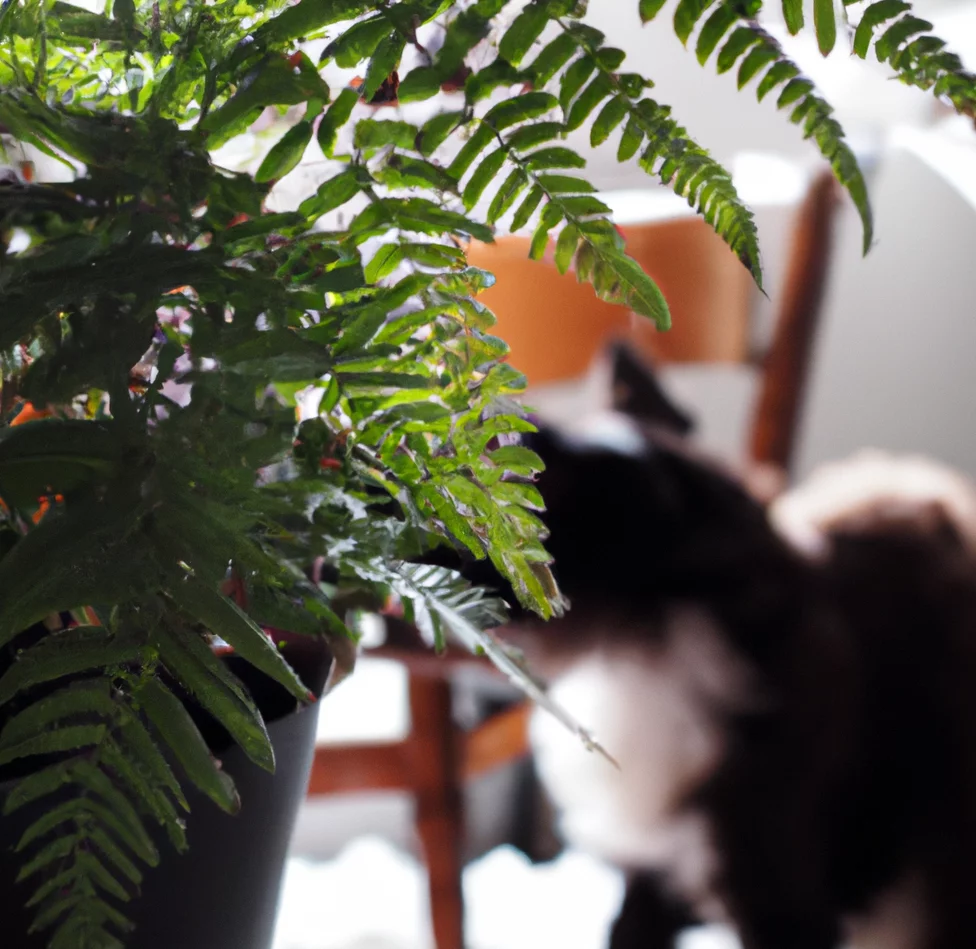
(790, 690)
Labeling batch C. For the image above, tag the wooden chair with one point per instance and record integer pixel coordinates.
(537, 309)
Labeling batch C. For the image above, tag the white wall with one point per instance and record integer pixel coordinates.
(894, 367)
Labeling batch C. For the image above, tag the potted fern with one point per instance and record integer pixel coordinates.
(201, 399)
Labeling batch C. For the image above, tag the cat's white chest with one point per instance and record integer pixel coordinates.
(654, 710)
(658, 713)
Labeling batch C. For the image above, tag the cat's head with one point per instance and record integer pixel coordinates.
(638, 517)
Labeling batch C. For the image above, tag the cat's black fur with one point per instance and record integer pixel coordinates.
(857, 763)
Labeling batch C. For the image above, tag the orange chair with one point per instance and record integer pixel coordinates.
(555, 326)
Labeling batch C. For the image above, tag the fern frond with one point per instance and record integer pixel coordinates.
(747, 43)
(465, 31)
(383, 37)
(666, 149)
(918, 58)
(88, 845)
(439, 597)
(588, 234)
(112, 776)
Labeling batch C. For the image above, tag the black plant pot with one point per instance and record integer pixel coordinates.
(223, 893)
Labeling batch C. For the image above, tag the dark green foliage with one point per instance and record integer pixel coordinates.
(136, 527)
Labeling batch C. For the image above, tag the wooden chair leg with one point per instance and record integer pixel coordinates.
(439, 812)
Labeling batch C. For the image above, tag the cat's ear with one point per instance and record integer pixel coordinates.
(635, 391)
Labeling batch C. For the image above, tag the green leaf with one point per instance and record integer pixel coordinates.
(482, 177)
(584, 205)
(686, 16)
(55, 909)
(67, 810)
(499, 74)
(386, 259)
(525, 495)
(793, 14)
(539, 243)
(372, 133)
(139, 749)
(527, 208)
(826, 26)
(38, 784)
(56, 455)
(507, 194)
(551, 59)
(517, 458)
(65, 653)
(183, 738)
(334, 119)
(85, 698)
(611, 115)
(573, 80)
(114, 854)
(630, 141)
(309, 16)
(68, 738)
(357, 43)
(128, 827)
(56, 850)
(637, 289)
(94, 552)
(275, 83)
(586, 263)
(226, 620)
(565, 249)
(419, 84)
(332, 194)
(94, 869)
(528, 136)
(779, 73)
(758, 58)
(556, 157)
(150, 797)
(650, 9)
(402, 171)
(384, 61)
(794, 90)
(453, 521)
(96, 781)
(874, 16)
(587, 101)
(716, 26)
(286, 153)
(436, 130)
(472, 148)
(521, 108)
(741, 39)
(551, 215)
(610, 59)
(194, 666)
(259, 227)
(524, 31)
(889, 41)
(432, 255)
(564, 184)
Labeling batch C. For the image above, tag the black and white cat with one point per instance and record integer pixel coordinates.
(790, 692)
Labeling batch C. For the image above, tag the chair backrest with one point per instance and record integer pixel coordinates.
(555, 326)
